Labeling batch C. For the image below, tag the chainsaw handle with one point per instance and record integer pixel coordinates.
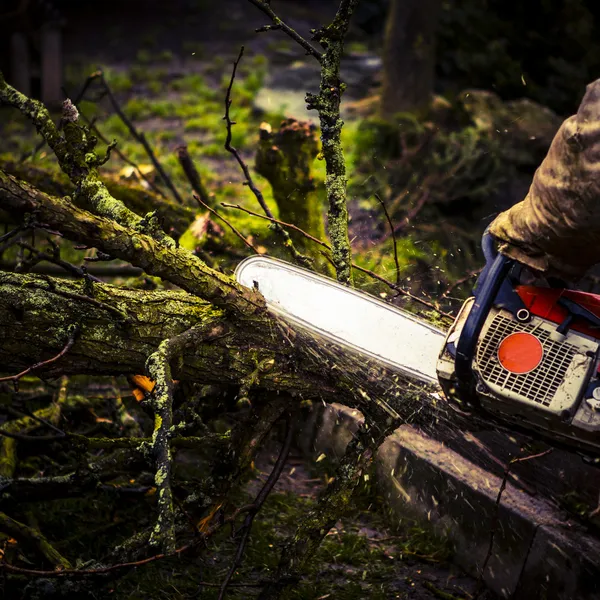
(497, 268)
(488, 245)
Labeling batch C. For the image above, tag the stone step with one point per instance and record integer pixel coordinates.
(536, 553)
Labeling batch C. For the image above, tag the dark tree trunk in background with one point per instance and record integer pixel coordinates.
(409, 55)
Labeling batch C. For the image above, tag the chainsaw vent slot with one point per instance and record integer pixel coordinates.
(539, 385)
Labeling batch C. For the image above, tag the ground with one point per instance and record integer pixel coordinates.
(362, 557)
(169, 73)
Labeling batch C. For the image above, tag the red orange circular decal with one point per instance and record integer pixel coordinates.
(520, 352)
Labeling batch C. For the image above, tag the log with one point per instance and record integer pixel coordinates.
(120, 328)
(175, 217)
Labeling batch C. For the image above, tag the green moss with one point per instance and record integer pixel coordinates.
(155, 86)
(204, 123)
(215, 150)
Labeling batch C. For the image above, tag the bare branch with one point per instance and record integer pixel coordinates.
(305, 260)
(393, 233)
(33, 537)
(141, 138)
(55, 259)
(245, 529)
(230, 225)
(189, 168)
(45, 363)
(279, 25)
(159, 369)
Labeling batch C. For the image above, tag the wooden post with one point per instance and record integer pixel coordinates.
(20, 67)
(52, 70)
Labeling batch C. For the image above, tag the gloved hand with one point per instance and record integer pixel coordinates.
(556, 229)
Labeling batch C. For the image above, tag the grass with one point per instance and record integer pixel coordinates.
(347, 565)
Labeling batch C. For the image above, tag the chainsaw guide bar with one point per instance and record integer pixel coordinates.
(345, 316)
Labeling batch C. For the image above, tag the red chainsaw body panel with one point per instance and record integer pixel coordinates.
(543, 302)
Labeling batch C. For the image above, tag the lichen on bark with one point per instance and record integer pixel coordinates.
(327, 103)
(74, 150)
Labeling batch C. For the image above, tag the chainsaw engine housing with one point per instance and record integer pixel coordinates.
(528, 355)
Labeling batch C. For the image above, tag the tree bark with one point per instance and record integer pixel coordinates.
(120, 329)
(174, 217)
(285, 158)
(409, 56)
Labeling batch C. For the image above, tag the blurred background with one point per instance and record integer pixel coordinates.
(450, 106)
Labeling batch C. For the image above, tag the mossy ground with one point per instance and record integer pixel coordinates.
(368, 554)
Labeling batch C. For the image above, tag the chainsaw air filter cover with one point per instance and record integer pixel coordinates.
(528, 373)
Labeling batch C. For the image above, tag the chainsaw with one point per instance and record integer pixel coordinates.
(528, 356)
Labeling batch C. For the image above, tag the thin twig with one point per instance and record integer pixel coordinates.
(124, 157)
(86, 572)
(232, 227)
(404, 223)
(305, 260)
(24, 412)
(460, 282)
(94, 269)
(141, 138)
(22, 437)
(102, 305)
(393, 233)
(44, 363)
(372, 274)
(258, 503)
(12, 233)
(277, 222)
(280, 25)
(403, 292)
(189, 168)
(56, 260)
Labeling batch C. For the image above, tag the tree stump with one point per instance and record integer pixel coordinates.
(285, 159)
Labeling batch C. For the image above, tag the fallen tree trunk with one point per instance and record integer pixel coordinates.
(119, 339)
(119, 329)
(175, 217)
